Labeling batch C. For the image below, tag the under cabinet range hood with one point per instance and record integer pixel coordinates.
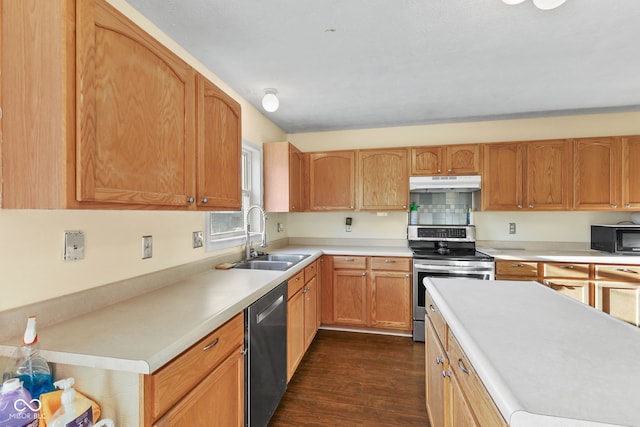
(444, 184)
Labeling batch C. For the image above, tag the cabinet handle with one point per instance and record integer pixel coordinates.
(190, 200)
(204, 200)
(570, 267)
(531, 205)
(519, 206)
(439, 360)
(297, 278)
(628, 205)
(517, 265)
(349, 259)
(244, 351)
(462, 367)
(446, 374)
(390, 261)
(626, 270)
(614, 206)
(432, 308)
(210, 346)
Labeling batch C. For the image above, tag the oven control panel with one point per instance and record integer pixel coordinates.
(466, 233)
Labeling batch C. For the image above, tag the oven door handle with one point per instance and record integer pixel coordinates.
(425, 268)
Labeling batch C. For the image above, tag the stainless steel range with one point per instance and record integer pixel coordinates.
(443, 251)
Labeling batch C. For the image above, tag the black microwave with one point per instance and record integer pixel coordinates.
(619, 239)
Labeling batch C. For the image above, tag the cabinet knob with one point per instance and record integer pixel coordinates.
(439, 360)
(190, 200)
(364, 274)
(519, 206)
(628, 205)
(614, 206)
(204, 200)
(530, 205)
(449, 170)
(405, 206)
(439, 170)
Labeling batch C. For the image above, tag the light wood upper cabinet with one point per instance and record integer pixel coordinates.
(383, 179)
(527, 175)
(284, 177)
(597, 178)
(631, 172)
(219, 148)
(135, 104)
(118, 121)
(332, 181)
(446, 160)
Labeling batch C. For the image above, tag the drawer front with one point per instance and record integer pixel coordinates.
(481, 403)
(351, 262)
(391, 263)
(310, 271)
(525, 269)
(561, 269)
(168, 385)
(618, 273)
(436, 319)
(295, 283)
(576, 289)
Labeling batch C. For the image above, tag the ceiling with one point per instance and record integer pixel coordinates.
(351, 64)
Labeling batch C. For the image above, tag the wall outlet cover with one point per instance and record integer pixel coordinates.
(197, 239)
(73, 245)
(147, 247)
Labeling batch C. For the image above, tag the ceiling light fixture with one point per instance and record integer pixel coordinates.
(270, 101)
(540, 4)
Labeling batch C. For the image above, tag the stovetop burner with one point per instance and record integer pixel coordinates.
(444, 242)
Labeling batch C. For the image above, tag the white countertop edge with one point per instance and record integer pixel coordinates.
(505, 401)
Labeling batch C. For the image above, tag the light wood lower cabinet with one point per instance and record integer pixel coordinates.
(302, 315)
(206, 382)
(617, 291)
(369, 292)
(455, 395)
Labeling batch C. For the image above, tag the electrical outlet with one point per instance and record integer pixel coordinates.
(197, 239)
(512, 228)
(147, 247)
(280, 227)
(73, 245)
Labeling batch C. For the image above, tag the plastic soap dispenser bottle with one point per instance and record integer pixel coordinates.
(74, 410)
(31, 368)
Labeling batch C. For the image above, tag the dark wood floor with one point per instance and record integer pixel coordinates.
(353, 379)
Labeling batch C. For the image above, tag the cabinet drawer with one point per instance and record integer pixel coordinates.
(525, 269)
(576, 289)
(436, 319)
(294, 284)
(169, 384)
(561, 269)
(618, 273)
(481, 403)
(391, 263)
(310, 271)
(355, 262)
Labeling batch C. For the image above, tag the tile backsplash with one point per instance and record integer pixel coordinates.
(442, 208)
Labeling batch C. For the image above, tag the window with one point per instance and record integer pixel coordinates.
(226, 229)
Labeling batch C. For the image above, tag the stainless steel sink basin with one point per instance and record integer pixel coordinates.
(295, 258)
(256, 264)
(279, 262)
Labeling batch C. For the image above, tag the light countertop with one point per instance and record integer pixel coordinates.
(545, 359)
(142, 334)
(552, 252)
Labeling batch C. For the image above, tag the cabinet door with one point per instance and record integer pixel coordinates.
(597, 174)
(576, 289)
(426, 160)
(549, 175)
(502, 184)
(296, 179)
(383, 180)
(326, 290)
(295, 332)
(219, 148)
(332, 181)
(462, 159)
(631, 172)
(135, 114)
(436, 364)
(350, 297)
(218, 399)
(391, 300)
(461, 415)
(310, 311)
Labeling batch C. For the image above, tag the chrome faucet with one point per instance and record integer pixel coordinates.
(250, 252)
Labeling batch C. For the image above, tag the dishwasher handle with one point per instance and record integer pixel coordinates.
(267, 311)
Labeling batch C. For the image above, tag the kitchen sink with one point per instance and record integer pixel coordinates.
(279, 262)
(256, 264)
(294, 258)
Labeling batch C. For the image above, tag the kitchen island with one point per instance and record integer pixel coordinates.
(544, 358)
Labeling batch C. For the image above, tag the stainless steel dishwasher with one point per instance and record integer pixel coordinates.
(266, 358)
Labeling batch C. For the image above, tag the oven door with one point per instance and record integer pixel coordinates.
(455, 270)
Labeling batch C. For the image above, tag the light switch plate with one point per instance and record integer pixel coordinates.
(73, 245)
(147, 247)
